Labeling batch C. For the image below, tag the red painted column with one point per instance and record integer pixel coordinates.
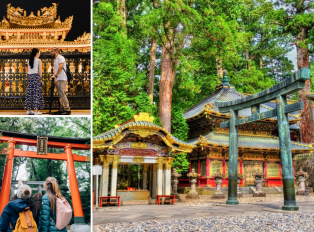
(265, 168)
(75, 192)
(207, 170)
(224, 167)
(241, 171)
(199, 172)
(6, 182)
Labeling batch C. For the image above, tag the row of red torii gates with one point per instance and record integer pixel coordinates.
(68, 144)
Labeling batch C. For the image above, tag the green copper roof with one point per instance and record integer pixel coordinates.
(250, 141)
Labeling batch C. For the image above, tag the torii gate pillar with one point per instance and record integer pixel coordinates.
(6, 182)
(286, 156)
(79, 221)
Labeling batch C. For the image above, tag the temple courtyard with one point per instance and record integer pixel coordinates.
(206, 214)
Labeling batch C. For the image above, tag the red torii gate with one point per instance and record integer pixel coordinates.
(67, 144)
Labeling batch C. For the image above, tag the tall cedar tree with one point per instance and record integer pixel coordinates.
(297, 18)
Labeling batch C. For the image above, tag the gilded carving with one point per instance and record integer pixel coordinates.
(168, 161)
(117, 138)
(160, 163)
(208, 107)
(143, 117)
(138, 159)
(22, 30)
(115, 162)
(139, 145)
(154, 167)
(202, 140)
(143, 132)
(145, 167)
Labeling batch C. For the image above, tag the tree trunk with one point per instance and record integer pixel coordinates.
(306, 122)
(166, 84)
(152, 68)
(122, 11)
(219, 67)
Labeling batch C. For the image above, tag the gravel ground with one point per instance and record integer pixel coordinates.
(206, 200)
(258, 222)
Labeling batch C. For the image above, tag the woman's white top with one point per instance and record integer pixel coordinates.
(35, 67)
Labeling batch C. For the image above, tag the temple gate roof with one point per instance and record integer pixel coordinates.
(143, 126)
(227, 92)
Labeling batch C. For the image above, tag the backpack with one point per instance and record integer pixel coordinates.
(63, 213)
(68, 73)
(25, 222)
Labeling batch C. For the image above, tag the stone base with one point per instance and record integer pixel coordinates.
(240, 194)
(177, 196)
(218, 195)
(232, 202)
(290, 207)
(80, 228)
(301, 192)
(152, 201)
(192, 196)
(135, 202)
(259, 194)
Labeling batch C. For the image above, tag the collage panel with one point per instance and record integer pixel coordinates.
(45, 58)
(45, 109)
(203, 115)
(46, 169)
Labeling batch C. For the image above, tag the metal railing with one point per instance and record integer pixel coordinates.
(13, 80)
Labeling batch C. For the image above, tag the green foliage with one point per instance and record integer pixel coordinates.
(118, 91)
(180, 130)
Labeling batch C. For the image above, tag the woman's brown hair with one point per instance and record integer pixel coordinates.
(52, 189)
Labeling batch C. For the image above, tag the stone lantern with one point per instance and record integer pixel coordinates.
(218, 180)
(301, 175)
(175, 182)
(258, 184)
(240, 177)
(193, 179)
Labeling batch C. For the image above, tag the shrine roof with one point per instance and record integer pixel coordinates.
(226, 92)
(246, 140)
(46, 18)
(142, 125)
(50, 138)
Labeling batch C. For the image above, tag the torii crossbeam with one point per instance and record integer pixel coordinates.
(13, 138)
(278, 92)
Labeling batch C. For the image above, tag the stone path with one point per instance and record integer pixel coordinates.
(160, 213)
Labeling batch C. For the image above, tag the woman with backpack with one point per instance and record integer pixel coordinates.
(34, 94)
(47, 215)
(17, 212)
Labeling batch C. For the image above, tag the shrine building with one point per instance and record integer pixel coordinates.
(137, 142)
(20, 32)
(258, 143)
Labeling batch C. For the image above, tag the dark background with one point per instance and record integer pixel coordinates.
(80, 9)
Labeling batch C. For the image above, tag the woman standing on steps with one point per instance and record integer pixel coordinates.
(34, 94)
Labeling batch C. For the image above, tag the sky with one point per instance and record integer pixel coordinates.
(80, 9)
(292, 55)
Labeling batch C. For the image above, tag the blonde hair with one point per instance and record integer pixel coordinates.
(52, 189)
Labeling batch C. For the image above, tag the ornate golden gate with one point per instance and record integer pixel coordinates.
(250, 167)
